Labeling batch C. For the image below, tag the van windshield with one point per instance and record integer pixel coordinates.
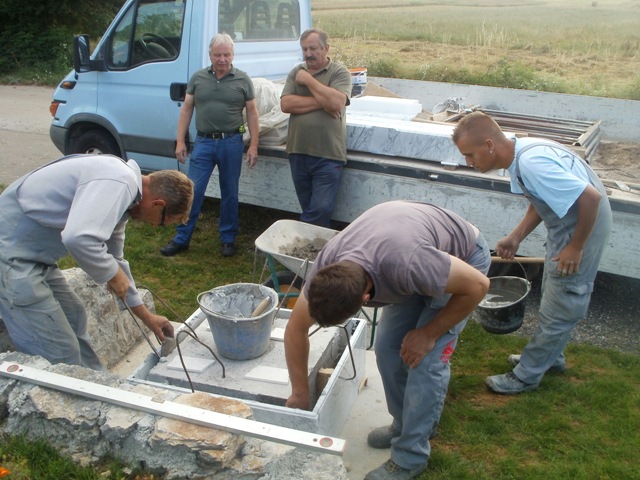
(149, 33)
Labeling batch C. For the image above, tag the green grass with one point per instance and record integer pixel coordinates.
(558, 45)
(34, 76)
(584, 424)
(35, 460)
(562, 46)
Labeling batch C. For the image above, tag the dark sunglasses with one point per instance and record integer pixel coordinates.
(164, 214)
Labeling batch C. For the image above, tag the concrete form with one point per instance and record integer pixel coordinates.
(262, 383)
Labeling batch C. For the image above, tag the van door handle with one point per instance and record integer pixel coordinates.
(177, 91)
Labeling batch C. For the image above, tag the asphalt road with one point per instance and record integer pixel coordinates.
(24, 130)
(613, 320)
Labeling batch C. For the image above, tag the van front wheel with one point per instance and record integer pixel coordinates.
(95, 142)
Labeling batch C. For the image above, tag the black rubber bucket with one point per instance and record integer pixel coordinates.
(502, 309)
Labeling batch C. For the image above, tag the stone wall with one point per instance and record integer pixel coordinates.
(88, 430)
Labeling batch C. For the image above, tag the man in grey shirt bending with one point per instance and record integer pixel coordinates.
(426, 266)
(78, 205)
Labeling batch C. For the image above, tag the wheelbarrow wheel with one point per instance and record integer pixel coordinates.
(288, 284)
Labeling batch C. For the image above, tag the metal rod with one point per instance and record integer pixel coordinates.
(163, 301)
(590, 133)
(353, 362)
(184, 367)
(185, 413)
(144, 334)
(554, 119)
(495, 259)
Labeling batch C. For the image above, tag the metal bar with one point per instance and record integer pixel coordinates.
(590, 132)
(527, 115)
(353, 362)
(569, 137)
(535, 124)
(496, 259)
(568, 132)
(185, 413)
(155, 350)
(572, 132)
(591, 148)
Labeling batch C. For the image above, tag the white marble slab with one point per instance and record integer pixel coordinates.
(263, 373)
(192, 364)
(396, 108)
(277, 334)
(401, 138)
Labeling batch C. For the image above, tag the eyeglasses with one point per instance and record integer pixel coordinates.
(164, 214)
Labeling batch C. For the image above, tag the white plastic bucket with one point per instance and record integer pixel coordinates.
(358, 76)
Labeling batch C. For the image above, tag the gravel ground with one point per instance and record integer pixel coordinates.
(613, 320)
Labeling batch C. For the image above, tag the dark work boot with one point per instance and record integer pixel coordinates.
(228, 249)
(172, 248)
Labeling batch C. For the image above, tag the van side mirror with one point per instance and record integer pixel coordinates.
(81, 56)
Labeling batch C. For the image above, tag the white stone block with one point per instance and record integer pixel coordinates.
(384, 107)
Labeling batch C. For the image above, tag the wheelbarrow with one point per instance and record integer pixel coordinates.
(294, 245)
(282, 242)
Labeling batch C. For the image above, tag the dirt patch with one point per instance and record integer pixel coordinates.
(617, 161)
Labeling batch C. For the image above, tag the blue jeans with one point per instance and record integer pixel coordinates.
(415, 396)
(226, 154)
(317, 181)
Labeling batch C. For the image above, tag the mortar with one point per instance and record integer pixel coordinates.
(502, 309)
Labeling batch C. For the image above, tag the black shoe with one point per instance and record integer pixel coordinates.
(381, 437)
(171, 248)
(228, 249)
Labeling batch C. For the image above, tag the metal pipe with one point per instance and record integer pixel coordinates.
(496, 259)
(591, 132)
(555, 119)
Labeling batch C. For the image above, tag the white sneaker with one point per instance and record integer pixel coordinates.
(555, 368)
(508, 384)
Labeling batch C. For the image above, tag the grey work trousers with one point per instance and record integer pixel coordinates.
(564, 302)
(43, 315)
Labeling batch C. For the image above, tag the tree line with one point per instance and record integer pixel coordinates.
(38, 34)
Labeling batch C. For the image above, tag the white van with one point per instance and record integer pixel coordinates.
(125, 99)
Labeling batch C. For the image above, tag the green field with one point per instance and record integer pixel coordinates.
(581, 47)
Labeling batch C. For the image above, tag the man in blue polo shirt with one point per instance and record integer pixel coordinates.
(565, 194)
